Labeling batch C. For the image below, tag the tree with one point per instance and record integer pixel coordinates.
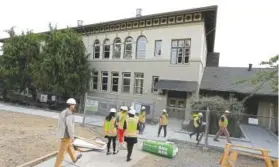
(63, 67)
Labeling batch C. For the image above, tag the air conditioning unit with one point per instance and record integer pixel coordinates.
(197, 17)
(188, 18)
(162, 92)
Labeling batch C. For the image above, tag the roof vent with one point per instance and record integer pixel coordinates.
(250, 67)
(138, 12)
(79, 23)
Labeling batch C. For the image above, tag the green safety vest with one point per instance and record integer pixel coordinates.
(225, 123)
(109, 128)
(196, 119)
(131, 129)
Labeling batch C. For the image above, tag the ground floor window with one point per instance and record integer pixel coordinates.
(138, 86)
(104, 81)
(114, 81)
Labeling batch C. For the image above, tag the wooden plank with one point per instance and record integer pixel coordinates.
(38, 159)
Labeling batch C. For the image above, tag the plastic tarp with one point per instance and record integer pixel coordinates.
(86, 143)
(165, 149)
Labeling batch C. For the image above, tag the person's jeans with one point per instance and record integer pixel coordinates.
(223, 130)
(129, 149)
(65, 146)
(165, 130)
(113, 139)
(142, 127)
(196, 131)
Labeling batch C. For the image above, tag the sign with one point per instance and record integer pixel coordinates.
(160, 148)
(43, 98)
(253, 121)
(91, 105)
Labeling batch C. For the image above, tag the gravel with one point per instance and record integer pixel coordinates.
(192, 156)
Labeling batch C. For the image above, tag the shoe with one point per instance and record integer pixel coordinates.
(78, 157)
(108, 153)
(129, 159)
(190, 136)
(115, 152)
(215, 139)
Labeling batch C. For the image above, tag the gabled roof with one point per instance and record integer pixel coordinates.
(225, 78)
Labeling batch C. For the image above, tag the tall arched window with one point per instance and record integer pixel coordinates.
(141, 47)
(96, 54)
(128, 48)
(106, 49)
(117, 48)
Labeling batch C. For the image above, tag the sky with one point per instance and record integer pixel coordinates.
(247, 30)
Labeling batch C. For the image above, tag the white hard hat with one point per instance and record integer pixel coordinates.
(200, 114)
(71, 101)
(143, 108)
(164, 110)
(122, 108)
(227, 111)
(133, 112)
(113, 110)
(125, 108)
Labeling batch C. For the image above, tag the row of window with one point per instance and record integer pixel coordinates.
(126, 78)
(180, 49)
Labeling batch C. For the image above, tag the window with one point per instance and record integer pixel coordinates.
(117, 48)
(180, 51)
(95, 78)
(128, 50)
(114, 81)
(138, 89)
(141, 47)
(106, 49)
(155, 80)
(158, 47)
(96, 54)
(104, 81)
(126, 82)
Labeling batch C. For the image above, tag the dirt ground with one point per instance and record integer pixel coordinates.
(26, 137)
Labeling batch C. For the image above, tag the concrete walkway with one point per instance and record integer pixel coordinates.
(257, 139)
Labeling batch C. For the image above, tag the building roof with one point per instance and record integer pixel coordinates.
(176, 85)
(225, 78)
(209, 14)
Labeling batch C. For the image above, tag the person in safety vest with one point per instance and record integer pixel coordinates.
(66, 133)
(118, 115)
(197, 121)
(122, 117)
(110, 131)
(163, 123)
(131, 127)
(223, 124)
(142, 117)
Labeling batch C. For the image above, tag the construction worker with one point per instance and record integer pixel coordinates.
(142, 117)
(66, 133)
(110, 131)
(118, 115)
(197, 121)
(122, 118)
(163, 123)
(131, 127)
(223, 124)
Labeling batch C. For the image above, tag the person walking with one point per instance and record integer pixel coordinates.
(131, 127)
(223, 124)
(163, 123)
(110, 131)
(142, 118)
(122, 117)
(66, 133)
(197, 122)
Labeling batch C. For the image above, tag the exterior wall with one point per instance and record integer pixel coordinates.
(151, 66)
(269, 111)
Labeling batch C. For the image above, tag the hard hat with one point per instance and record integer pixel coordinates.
(113, 110)
(200, 114)
(71, 101)
(143, 108)
(133, 112)
(125, 108)
(164, 110)
(227, 111)
(122, 108)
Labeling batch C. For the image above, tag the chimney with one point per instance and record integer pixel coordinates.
(79, 23)
(250, 67)
(138, 12)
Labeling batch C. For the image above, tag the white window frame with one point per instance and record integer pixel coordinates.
(95, 75)
(113, 84)
(141, 49)
(106, 44)
(116, 44)
(126, 55)
(185, 51)
(158, 51)
(135, 83)
(126, 77)
(104, 76)
(94, 50)
(153, 84)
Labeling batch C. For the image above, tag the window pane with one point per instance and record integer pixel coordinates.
(126, 81)
(181, 43)
(173, 56)
(127, 74)
(139, 83)
(188, 43)
(174, 43)
(104, 87)
(115, 88)
(158, 45)
(138, 90)
(95, 86)
(126, 89)
(141, 47)
(115, 80)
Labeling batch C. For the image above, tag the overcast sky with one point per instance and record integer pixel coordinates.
(247, 30)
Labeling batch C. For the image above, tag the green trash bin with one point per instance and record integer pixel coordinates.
(165, 149)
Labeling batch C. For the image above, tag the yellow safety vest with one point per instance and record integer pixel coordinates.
(164, 120)
(131, 129)
(225, 123)
(122, 118)
(196, 119)
(142, 117)
(109, 128)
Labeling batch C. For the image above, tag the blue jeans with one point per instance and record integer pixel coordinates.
(141, 127)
